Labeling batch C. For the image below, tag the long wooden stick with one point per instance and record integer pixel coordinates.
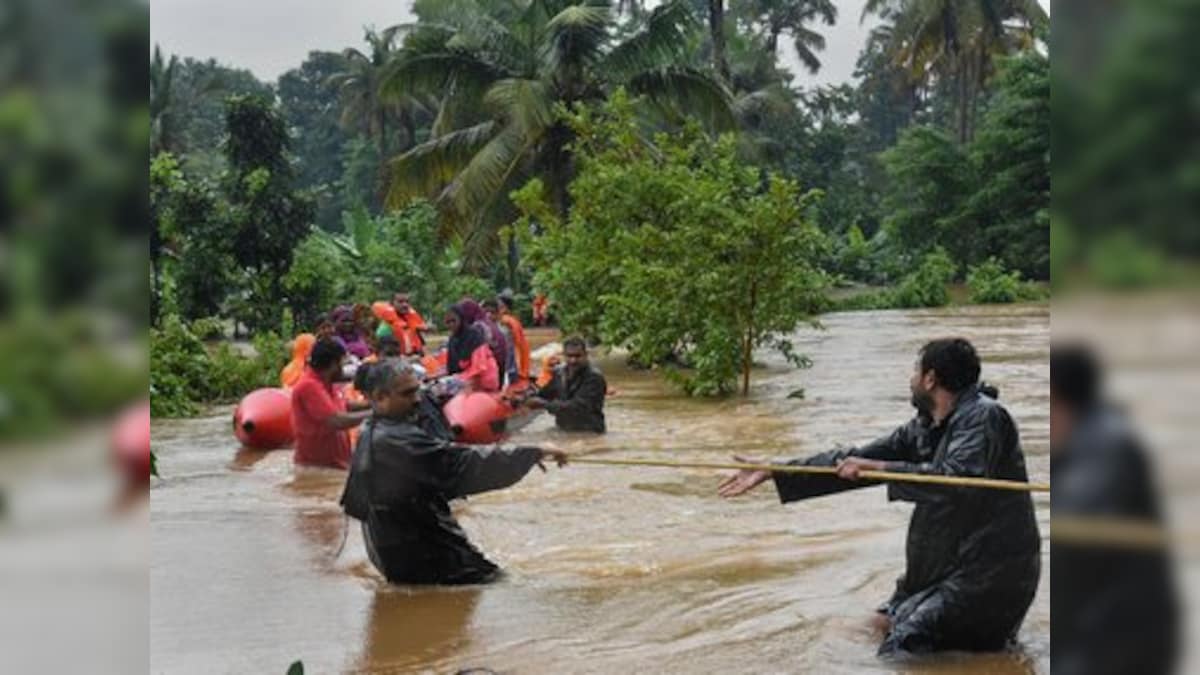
(956, 481)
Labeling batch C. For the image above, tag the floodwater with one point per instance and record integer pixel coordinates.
(610, 569)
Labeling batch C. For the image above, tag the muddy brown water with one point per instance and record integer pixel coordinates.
(610, 569)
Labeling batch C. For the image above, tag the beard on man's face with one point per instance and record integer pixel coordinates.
(922, 400)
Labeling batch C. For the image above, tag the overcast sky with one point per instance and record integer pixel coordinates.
(270, 36)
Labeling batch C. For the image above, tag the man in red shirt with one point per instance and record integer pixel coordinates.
(319, 414)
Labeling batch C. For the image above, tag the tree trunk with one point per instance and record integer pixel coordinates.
(716, 28)
(773, 40)
(514, 260)
(961, 102)
(748, 340)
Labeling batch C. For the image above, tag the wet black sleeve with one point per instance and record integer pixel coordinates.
(900, 445)
(480, 469)
(792, 486)
(553, 388)
(973, 443)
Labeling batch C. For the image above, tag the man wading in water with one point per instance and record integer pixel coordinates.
(973, 556)
(402, 478)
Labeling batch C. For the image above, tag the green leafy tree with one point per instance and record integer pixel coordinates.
(501, 69)
(930, 178)
(195, 111)
(190, 216)
(1012, 150)
(675, 249)
(312, 108)
(269, 217)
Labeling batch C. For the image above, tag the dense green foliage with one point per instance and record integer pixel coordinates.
(501, 68)
(377, 256)
(674, 249)
(987, 199)
(647, 228)
(186, 373)
(63, 369)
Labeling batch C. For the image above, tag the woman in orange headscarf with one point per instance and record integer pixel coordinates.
(302, 346)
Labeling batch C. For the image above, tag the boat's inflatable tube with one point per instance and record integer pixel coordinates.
(131, 444)
(263, 420)
(477, 417)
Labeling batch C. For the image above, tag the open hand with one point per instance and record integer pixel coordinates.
(555, 453)
(744, 480)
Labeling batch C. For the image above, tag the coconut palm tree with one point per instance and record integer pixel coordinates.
(773, 18)
(500, 73)
(364, 108)
(956, 40)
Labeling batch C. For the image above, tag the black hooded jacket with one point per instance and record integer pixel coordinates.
(973, 554)
(400, 483)
(576, 399)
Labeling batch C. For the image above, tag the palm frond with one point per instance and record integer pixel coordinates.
(437, 72)
(575, 36)
(428, 167)
(528, 104)
(686, 90)
(659, 44)
(483, 178)
(807, 43)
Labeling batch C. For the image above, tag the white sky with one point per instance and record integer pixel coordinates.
(270, 36)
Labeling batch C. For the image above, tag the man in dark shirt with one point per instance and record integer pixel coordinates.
(576, 394)
(973, 555)
(402, 479)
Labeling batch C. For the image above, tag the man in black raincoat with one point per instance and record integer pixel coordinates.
(402, 478)
(973, 555)
(576, 394)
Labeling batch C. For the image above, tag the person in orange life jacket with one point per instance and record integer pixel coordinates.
(411, 323)
(521, 349)
(320, 416)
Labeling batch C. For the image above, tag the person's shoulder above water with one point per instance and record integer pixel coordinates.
(405, 432)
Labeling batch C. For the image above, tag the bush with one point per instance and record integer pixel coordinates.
(1120, 261)
(926, 287)
(989, 283)
(184, 373)
(374, 257)
(62, 370)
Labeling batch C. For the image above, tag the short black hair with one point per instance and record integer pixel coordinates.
(381, 375)
(388, 345)
(326, 353)
(1075, 375)
(506, 299)
(575, 341)
(953, 361)
(490, 304)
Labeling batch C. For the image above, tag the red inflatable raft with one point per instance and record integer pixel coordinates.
(263, 420)
(479, 417)
(131, 444)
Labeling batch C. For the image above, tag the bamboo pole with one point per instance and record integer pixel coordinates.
(955, 481)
